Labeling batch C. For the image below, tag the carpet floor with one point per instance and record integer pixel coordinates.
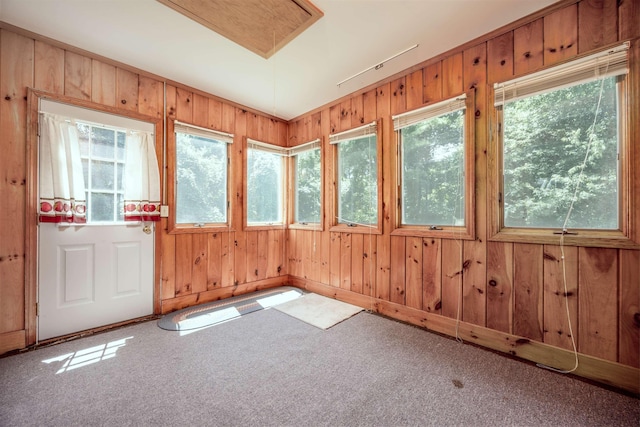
(269, 369)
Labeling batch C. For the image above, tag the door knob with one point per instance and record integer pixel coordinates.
(147, 229)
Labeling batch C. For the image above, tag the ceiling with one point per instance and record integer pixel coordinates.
(353, 35)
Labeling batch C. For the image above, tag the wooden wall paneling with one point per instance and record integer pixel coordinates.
(432, 275)
(629, 308)
(200, 110)
(252, 256)
(150, 97)
(598, 302)
(77, 76)
(629, 19)
(397, 277)
(528, 282)
(48, 68)
(316, 125)
(452, 83)
(474, 285)
(598, 24)
(263, 130)
(200, 267)
(345, 261)
(282, 133)
(253, 127)
(302, 253)
(292, 251)
(414, 90)
(103, 83)
(229, 123)
(452, 271)
(184, 105)
(357, 110)
(500, 58)
(383, 242)
(398, 98)
(275, 243)
(168, 262)
(240, 240)
(500, 286)
(334, 118)
(432, 89)
(126, 89)
(369, 113)
(561, 35)
(334, 263)
(227, 259)
(357, 262)
(345, 115)
(315, 249)
(184, 260)
(556, 324)
(215, 114)
(214, 261)
(263, 250)
(368, 264)
(328, 176)
(413, 272)
(16, 74)
(528, 47)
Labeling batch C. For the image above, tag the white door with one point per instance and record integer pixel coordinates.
(101, 272)
(91, 276)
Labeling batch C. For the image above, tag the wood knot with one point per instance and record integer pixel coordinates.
(636, 320)
(493, 283)
(552, 50)
(123, 101)
(477, 114)
(197, 261)
(476, 60)
(503, 62)
(527, 54)
(7, 98)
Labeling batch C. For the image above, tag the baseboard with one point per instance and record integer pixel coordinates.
(180, 302)
(15, 340)
(603, 371)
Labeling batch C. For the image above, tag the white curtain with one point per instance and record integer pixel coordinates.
(141, 178)
(62, 196)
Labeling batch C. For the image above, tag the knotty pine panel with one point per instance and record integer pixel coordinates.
(556, 322)
(528, 47)
(103, 83)
(598, 21)
(500, 58)
(357, 107)
(345, 261)
(598, 302)
(126, 89)
(414, 90)
(77, 76)
(199, 269)
(200, 110)
(214, 261)
(150, 97)
(168, 264)
(561, 35)
(16, 73)
(413, 272)
(49, 68)
(398, 270)
(500, 286)
(528, 281)
(184, 260)
(452, 270)
(432, 90)
(357, 264)
(452, 83)
(398, 96)
(368, 263)
(629, 308)
(432, 275)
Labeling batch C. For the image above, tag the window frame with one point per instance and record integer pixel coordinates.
(356, 228)
(291, 179)
(172, 172)
(282, 152)
(462, 232)
(627, 235)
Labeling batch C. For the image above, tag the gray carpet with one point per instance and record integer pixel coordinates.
(268, 369)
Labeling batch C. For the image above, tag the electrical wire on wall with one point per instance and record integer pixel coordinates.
(458, 240)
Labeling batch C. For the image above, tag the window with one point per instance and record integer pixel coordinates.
(265, 183)
(201, 177)
(102, 153)
(358, 177)
(307, 178)
(562, 149)
(435, 153)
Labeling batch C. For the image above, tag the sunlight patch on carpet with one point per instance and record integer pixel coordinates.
(318, 311)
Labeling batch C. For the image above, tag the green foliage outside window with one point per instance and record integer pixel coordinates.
(307, 191)
(264, 187)
(432, 168)
(201, 188)
(358, 181)
(545, 141)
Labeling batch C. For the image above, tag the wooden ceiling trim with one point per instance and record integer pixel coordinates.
(262, 26)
